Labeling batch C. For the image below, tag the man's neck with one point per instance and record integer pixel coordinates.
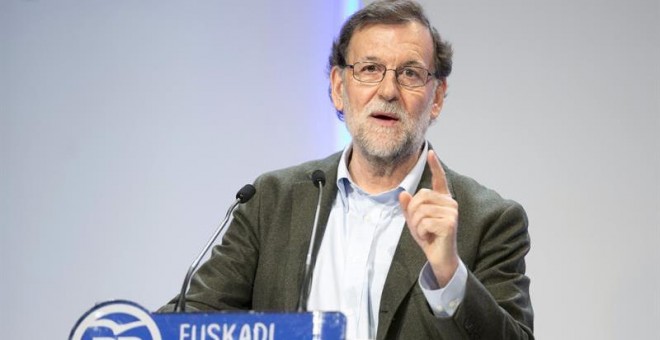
(375, 175)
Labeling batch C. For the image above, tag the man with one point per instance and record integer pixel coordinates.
(407, 248)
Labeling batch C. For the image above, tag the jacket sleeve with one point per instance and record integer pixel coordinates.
(497, 303)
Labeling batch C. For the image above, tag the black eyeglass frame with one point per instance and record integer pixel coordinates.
(397, 72)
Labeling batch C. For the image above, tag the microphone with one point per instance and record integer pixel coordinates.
(242, 196)
(318, 178)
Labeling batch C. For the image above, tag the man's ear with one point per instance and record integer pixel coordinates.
(439, 100)
(336, 84)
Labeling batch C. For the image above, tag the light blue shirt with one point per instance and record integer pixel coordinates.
(357, 249)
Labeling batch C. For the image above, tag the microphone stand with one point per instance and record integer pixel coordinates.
(318, 178)
(242, 196)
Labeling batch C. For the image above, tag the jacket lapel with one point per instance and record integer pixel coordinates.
(405, 268)
(404, 271)
(305, 196)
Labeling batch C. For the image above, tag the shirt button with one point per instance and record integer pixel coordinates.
(453, 304)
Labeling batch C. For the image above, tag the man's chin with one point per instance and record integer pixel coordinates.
(387, 152)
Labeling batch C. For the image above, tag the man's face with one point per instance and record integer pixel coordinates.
(387, 121)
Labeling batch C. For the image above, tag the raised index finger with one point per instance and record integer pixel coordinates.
(439, 179)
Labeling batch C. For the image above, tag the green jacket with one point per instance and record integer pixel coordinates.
(260, 262)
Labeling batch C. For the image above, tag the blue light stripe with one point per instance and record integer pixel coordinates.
(342, 137)
(350, 7)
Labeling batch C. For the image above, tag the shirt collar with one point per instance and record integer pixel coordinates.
(409, 183)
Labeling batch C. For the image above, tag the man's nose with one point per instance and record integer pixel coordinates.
(388, 89)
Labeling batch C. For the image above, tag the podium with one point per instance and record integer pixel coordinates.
(126, 320)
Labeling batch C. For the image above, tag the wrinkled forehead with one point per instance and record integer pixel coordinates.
(409, 42)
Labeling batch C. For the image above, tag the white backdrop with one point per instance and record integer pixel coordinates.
(127, 126)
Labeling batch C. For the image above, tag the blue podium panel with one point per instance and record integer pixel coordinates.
(125, 320)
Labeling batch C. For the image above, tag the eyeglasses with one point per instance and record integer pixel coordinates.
(406, 76)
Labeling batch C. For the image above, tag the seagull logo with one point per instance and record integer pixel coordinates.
(116, 320)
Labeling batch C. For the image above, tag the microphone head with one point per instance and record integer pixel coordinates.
(318, 178)
(246, 193)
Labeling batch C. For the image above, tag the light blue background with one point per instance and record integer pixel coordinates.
(126, 127)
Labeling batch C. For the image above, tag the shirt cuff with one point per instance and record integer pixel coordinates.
(443, 300)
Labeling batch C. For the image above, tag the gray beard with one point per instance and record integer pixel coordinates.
(385, 159)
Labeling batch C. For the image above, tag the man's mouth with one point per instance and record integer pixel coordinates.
(385, 116)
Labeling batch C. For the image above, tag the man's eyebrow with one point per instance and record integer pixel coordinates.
(413, 63)
(371, 58)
